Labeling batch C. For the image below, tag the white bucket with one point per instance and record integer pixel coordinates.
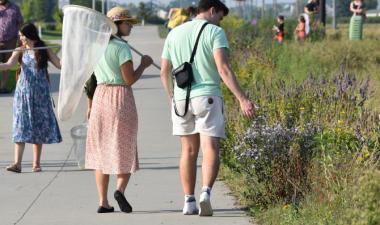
(79, 136)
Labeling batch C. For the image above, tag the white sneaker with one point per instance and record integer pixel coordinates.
(205, 204)
(190, 208)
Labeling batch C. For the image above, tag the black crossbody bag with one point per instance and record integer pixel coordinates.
(183, 75)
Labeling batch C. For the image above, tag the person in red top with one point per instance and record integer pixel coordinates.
(300, 29)
(279, 28)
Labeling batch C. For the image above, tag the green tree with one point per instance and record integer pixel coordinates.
(132, 9)
(143, 11)
(86, 3)
(37, 10)
(58, 17)
(371, 4)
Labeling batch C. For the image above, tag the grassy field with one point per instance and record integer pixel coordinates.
(11, 84)
(51, 35)
(370, 31)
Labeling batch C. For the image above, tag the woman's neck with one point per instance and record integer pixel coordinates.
(29, 45)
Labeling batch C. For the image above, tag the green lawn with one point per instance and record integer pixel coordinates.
(51, 35)
(12, 79)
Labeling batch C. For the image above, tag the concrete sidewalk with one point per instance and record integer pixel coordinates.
(63, 194)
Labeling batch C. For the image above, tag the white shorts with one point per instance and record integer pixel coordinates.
(204, 116)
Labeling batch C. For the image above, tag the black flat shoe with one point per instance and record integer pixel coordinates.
(102, 209)
(123, 203)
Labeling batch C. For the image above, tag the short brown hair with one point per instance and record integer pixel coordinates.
(205, 5)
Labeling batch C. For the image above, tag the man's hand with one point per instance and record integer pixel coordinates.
(247, 108)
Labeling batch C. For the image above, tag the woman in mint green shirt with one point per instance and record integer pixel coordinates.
(111, 146)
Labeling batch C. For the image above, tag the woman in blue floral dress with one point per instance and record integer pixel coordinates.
(33, 116)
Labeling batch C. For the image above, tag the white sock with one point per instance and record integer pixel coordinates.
(206, 189)
(189, 198)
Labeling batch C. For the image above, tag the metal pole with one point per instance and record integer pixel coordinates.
(140, 54)
(93, 4)
(251, 10)
(257, 8)
(135, 50)
(103, 6)
(323, 12)
(25, 49)
(262, 8)
(334, 15)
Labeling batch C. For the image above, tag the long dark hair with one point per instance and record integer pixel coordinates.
(30, 31)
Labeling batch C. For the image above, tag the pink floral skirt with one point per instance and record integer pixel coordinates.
(112, 131)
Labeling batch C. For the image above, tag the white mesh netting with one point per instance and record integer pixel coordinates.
(307, 23)
(85, 36)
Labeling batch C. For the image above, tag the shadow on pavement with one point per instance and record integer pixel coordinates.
(217, 212)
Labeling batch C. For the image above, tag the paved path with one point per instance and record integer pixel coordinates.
(63, 194)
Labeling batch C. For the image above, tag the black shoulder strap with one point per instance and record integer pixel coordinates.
(189, 86)
(186, 103)
(196, 43)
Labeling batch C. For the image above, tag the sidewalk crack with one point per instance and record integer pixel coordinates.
(44, 188)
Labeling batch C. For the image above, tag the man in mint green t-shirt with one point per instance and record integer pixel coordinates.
(203, 124)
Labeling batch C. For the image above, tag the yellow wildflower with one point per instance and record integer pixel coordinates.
(365, 152)
(286, 206)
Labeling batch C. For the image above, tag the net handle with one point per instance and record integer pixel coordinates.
(26, 49)
(135, 50)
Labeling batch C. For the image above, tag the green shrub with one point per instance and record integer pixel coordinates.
(365, 208)
(317, 130)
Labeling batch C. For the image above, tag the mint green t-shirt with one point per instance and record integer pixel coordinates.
(108, 69)
(178, 47)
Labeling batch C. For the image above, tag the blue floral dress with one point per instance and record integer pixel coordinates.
(33, 116)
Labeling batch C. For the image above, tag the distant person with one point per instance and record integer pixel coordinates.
(178, 16)
(33, 116)
(111, 146)
(279, 29)
(10, 23)
(203, 124)
(300, 29)
(358, 9)
(312, 9)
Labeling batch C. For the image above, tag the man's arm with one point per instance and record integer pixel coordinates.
(166, 80)
(229, 78)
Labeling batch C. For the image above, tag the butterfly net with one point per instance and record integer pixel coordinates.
(85, 36)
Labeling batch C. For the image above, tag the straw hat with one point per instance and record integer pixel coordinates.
(119, 13)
